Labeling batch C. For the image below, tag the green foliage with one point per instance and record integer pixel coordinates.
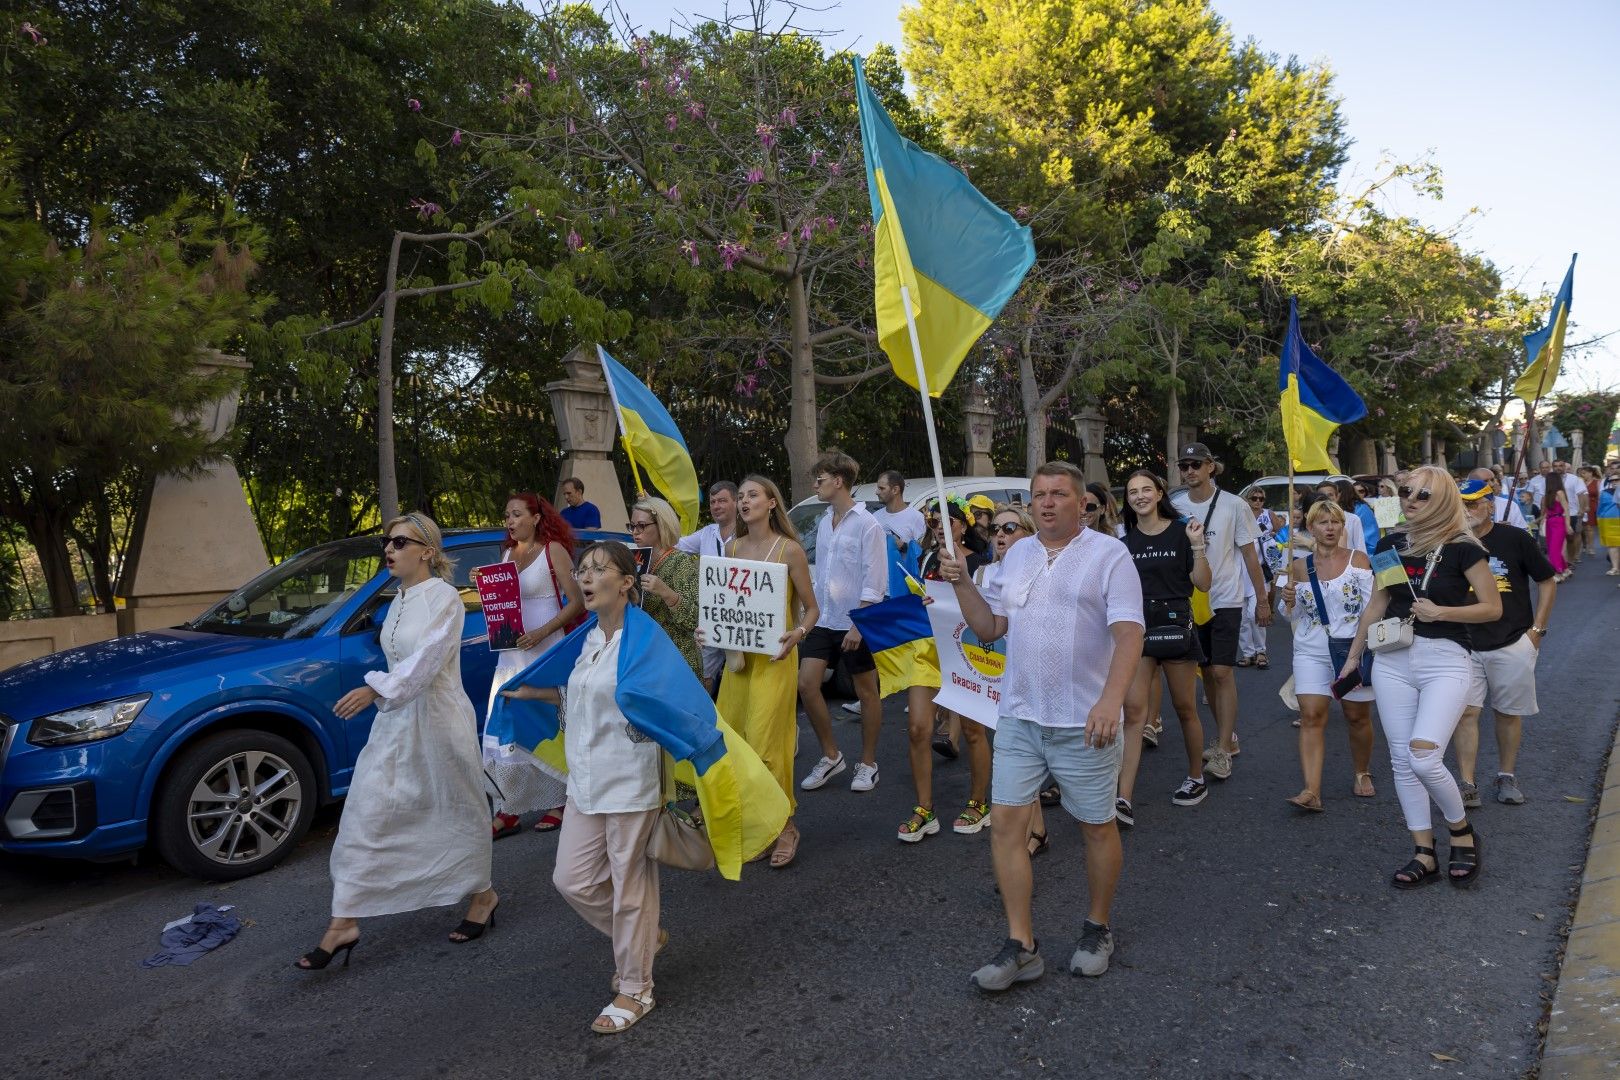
(1592, 413)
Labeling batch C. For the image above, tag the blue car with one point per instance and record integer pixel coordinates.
(214, 741)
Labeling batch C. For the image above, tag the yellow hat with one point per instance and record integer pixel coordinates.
(982, 502)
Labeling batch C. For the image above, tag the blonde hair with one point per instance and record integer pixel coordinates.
(779, 520)
(669, 528)
(1327, 508)
(1025, 522)
(1442, 519)
(439, 564)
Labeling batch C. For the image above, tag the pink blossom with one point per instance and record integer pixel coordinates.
(551, 72)
(1022, 211)
(671, 122)
(866, 228)
(860, 261)
(425, 209)
(755, 175)
(690, 250)
(522, 87)
(672, 84)
(413, 103)
(34, 35)
(695, 110)
(788, 117)
(766, 134)
(807, 229)
(729, 254)
(642, 84)
(455, 137)
(673, 193)
(574, 241)
(815, 158)
(836, 168)
(760, 362)
(831, 223)
(783, 241)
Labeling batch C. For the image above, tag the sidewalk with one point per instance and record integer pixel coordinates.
(1583, 1032)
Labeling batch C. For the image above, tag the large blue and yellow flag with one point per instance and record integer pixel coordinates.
(744, 809)
(655, 441)
(959, 255)
(1315, 400)
(1545, 348)
(897, 632)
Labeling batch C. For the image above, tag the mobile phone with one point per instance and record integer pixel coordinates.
(1348, 683)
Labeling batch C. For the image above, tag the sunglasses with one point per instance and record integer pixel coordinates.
(1257, 498)
(398, 542)
(1091, 507)
(1188, 466)
(1423, 495)
(1006, 528)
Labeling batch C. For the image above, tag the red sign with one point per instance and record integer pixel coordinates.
(502, 597)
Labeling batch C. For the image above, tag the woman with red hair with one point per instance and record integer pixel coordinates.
(540, 542)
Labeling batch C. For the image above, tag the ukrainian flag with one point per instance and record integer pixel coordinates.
(744, 809)
(1388, 569)
(1545, 347)
(960, 256)
(1315, 400)
(897, 632)
(654, 440)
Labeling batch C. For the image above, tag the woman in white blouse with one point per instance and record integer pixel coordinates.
(614, 794)
(1344, 582)
(415, 826)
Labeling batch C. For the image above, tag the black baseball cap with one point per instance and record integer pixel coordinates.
(1196, 452)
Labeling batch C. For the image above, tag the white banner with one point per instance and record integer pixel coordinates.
(742, 604)
(969, 671)
(1387, 512)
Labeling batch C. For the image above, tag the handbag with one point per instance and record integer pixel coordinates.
(562, 601)
(1168, 635)
(1394, 634)
(1202, 612)
(1338, 647)
(677, 840)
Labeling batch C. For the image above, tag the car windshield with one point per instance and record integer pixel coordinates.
(295, 598)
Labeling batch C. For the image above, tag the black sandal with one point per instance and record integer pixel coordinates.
(1416, 874)
(472, 931)
(1051, 796)
(944, 747)
(1041, 843)
(1465, 859)
(317, 959)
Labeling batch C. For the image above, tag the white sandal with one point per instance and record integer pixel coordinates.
(618, 1019)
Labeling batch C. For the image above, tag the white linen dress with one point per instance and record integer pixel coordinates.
(415, 826)
(523, 785)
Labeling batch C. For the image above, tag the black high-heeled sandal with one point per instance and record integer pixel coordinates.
(1416, 874)
(472, 931)
(317, 959)
(1466, 859)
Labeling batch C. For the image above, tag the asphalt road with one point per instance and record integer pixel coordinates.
(1253, 941)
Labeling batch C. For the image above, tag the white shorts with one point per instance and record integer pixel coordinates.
(1314, 674)
(1509, 673)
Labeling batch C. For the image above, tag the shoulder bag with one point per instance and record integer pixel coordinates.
(1393, 634)
(1338, 647)
(677, 840)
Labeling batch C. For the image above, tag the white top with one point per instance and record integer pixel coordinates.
(415, 826)
(905, 524)
(1574, 492)
(1230, 531)
(540, 606)
(706, 541)
(1346, 595)
(612, 767)
(1507, 512)
(852, 565)
(1058, 613)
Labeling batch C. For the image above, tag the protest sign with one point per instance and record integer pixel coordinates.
(502, 599)
(970, 670)
(742, 604)
(1387, 511)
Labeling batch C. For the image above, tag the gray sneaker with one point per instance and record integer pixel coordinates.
(1219, 764)
(1096, 946)
(1013, 964)
(1470, 794)
(1507, 790)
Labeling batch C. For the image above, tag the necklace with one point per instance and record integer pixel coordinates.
(1053, 553)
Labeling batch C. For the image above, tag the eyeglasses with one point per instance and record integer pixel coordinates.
(1423, 495)
(637, 526)
(1006, 528)
(819, 480)
(398, 542)
(1091, 507)
(586, 570)
(1188, 466)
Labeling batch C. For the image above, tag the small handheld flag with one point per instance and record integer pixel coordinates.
(1388, 569)
(1545, 348)
(652, 439)
(1315, 400)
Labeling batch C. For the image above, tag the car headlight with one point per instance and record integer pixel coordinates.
(87, 723)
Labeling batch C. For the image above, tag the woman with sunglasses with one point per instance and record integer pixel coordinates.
(1104, 511)
(415, 827)
(538, 541)
(1422, 689)
(669, 587)
(1168, 552)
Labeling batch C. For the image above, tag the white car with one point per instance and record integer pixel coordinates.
(1276, 487)
(919, 492)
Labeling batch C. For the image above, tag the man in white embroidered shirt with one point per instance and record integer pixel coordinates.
(1069, 602)
(852, 570)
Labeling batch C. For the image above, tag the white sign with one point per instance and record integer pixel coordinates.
(742, 604)
(1387, 512)
(970, 671)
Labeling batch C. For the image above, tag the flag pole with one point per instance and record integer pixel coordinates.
(928, 418)
(624, 436)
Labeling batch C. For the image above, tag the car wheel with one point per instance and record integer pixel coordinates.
(233, 805)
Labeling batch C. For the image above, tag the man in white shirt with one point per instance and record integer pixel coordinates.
(1069, 602)
(851, 571)
(712, 540)
(1503, 509)
(1229, 535)
(903, 525)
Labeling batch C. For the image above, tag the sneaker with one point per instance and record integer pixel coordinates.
(1190, 793)
(851, 707)
(1091, 955)
(1151, 733)
(921, 823)
(825, 770)
(1123, 812)
(865, 777)
(1013, 964)
(1219, 764)
(1470, 794)
(1507, 790)
(1209, 751)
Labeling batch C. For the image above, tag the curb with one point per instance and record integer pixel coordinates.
(1583, 1030)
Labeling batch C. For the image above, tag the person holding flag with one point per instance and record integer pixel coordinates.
(1433, 581)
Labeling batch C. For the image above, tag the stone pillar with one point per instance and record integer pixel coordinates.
(194, 539)
(589, 433)
(979, 429)
(1091, 427)
(1440, 457)
(1333, 452)
(1577, 443)
(1388, 463)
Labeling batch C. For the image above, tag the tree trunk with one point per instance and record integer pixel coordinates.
(48, 533)
(1172, 427)
(1035, 414)
(387, 480)
(801, 441)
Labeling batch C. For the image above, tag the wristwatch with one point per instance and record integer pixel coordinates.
(1539, 631)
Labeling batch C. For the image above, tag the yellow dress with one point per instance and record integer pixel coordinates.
(760, 702)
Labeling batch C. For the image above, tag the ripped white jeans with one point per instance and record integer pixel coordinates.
(1421, 693)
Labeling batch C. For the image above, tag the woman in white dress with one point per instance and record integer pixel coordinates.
(540, 542)
(415, 826)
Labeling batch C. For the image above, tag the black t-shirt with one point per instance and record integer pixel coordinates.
(1448, 586)
(1516, 560)
(1164, 561)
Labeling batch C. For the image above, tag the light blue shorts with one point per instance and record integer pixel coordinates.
(1025, 752)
